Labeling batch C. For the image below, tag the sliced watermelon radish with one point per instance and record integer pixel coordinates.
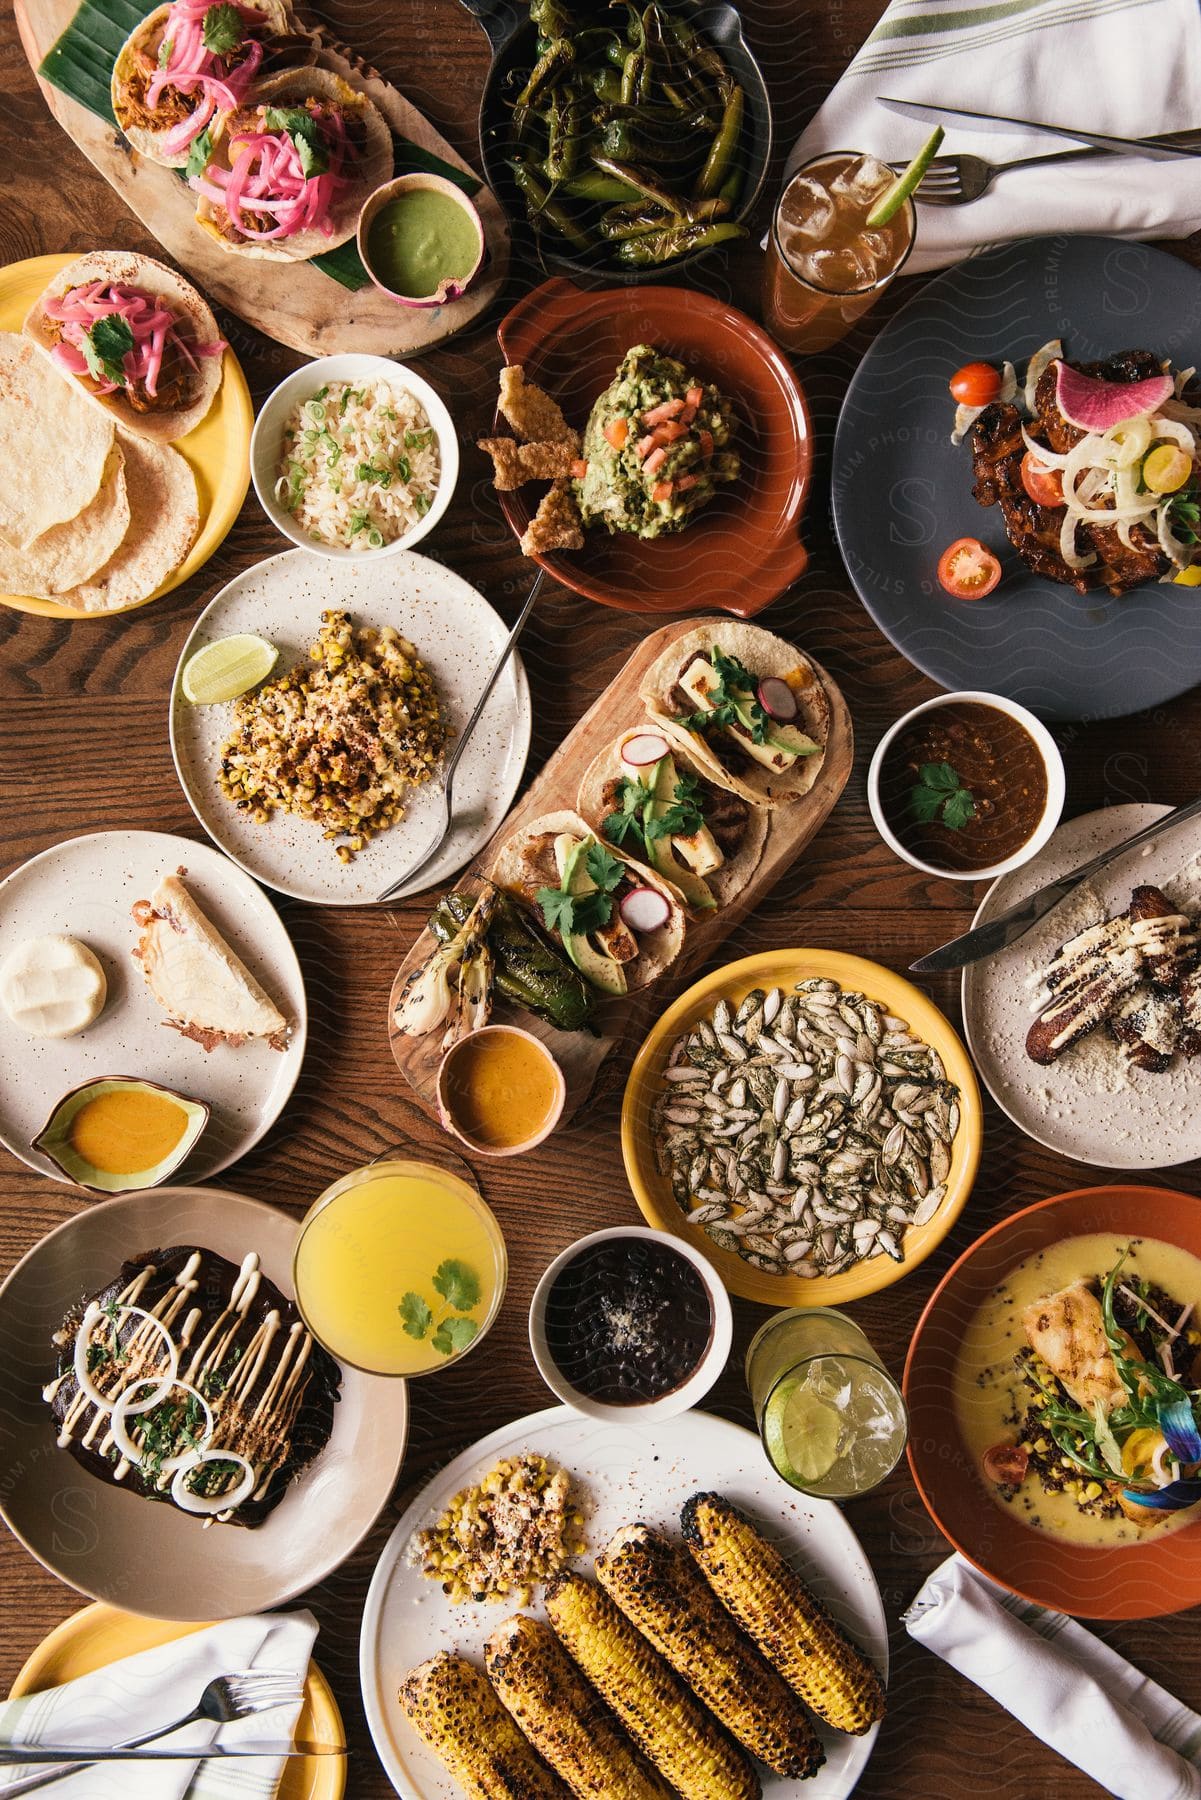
(777, 698)
(643, 749)
(645, 909)
(1095, 405)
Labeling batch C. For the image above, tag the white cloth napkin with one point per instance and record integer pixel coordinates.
(1064, 1684)
(134, 1695)
(1128, 68)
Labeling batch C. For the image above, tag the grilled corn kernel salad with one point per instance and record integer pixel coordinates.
(497, 1540)
(339, 740)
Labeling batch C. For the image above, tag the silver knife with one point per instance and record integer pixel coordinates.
(21, 1755)
(1157, 149)
(1001, 932)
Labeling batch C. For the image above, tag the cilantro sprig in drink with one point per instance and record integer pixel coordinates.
(400, 1268)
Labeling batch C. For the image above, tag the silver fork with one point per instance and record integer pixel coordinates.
(442, 829)
(955, 180)
(227, 1697)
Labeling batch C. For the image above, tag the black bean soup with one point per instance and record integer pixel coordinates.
(628, 1321)
(996, 761)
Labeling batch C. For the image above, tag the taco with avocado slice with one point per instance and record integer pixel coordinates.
(289, 170)
(619, 923)
(649, 797)
(186, 65)
(133, 336)
(746, 707)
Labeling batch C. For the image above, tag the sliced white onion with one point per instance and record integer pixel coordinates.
(211, 1504)
(1038, 364)
(1043, 453)
(1177, 433)
(125, 1443)
(643, 749)
(1176, 552)
(1009, 383)
(83, 1340)
(645, 909)
(1067, 545)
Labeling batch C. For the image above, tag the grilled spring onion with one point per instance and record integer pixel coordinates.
(451, 1705)
(527, 969)
(776, 1609)
(562, 1716)
(664, 1720)
(453, 987)
(661, 1591)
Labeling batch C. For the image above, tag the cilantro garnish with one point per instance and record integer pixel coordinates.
(734, 700)
(684, 817)
(164, 52)
(222, 29)
(106, 346)
(939, 794)
(415, 1315)
(578, 914)
(453, 1335)
(306, 135)
(199, 151)
(634, 817)
(459, 1285)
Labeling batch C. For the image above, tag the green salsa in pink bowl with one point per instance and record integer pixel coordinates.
(421, 240)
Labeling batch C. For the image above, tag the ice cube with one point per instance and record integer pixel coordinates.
(837, 271)
(861, 180)
(812, 210)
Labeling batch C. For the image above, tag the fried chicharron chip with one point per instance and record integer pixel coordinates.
(531, 412)
(556, 525)
(515, 463)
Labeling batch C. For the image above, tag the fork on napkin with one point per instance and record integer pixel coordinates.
(1131, 68)
(153, 1688)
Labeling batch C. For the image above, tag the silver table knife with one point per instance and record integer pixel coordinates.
(1005, 930)
(1170, 144)
(22, 1755)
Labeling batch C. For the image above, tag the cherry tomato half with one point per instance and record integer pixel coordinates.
(976, 384)
(967, 570)
(1044, 485)
(1006, 1464)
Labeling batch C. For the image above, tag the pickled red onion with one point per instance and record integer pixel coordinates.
(266, 177)
(153, 325)
(190, 68)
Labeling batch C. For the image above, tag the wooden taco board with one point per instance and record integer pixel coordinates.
(625, 1022)
(294, 302)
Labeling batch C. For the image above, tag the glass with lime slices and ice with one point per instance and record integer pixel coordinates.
(830, 1415)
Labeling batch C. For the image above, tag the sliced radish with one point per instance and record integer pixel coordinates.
(777, 698)
(645, 909)
(645, 748)
(212, 1504)
(1093, 404)
(125, 1443)
(161, 1383)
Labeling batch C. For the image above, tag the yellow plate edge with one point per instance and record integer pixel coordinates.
(778, 968)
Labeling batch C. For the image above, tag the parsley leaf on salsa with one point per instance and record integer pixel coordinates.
(106, 346)
(222, 29)
(939, 794)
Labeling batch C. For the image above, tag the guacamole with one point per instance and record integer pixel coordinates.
(656, 447)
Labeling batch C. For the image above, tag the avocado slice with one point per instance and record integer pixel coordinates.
(57, 1140)
(662, 791)
(600, 970)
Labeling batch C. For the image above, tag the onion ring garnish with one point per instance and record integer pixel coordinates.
(212, 1504)
(129, 1449)
(83, 1343)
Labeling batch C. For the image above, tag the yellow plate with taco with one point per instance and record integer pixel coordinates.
(124, 429)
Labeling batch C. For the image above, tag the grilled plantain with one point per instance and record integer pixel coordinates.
(453, 1708)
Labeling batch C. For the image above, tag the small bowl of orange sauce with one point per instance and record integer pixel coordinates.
(500, 1091)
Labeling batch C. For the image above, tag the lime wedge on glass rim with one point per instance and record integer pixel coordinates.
(801, 1433)
(893, 198)
(230, 667)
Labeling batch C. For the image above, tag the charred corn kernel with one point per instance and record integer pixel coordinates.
(776, 1609)
(1042, 1445)
(563, 1717)
(452, 1706)
(664, 1720)
(661, 1591)
(1093, 1491)
(1065, 1462)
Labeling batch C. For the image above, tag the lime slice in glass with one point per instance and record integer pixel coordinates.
(801, 1433)
(893, 198)
(230, 667)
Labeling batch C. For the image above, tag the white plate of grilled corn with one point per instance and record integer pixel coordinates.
(720, 1638)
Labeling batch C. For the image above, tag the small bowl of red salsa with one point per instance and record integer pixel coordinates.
(966, 786)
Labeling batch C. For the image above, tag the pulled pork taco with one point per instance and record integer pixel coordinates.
(649, 797)
(620, 924)
(290, 169)
(133, 336)
(745, 706)
(185, 66)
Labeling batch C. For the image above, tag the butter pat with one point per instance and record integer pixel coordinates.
(52, 986)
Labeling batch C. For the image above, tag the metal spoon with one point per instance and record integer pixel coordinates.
(442, 830)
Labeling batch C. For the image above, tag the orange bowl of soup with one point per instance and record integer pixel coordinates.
(960, 1360)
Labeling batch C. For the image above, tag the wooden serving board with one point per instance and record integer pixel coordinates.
(626, 1021)
(294, 302)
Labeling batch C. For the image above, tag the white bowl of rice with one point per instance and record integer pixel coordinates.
(354, 456)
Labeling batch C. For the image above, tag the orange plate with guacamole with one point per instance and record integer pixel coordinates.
(100, 1635)
(218, 451)
(783, 968)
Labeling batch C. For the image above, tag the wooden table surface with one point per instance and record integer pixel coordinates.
(83, 747)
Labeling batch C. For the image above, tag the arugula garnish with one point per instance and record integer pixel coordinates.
(199, 151)
(106, 346)
(940, 794)
(222, 29)
(578, 914)
(306, 135)
(459, 1285)
(734, 700)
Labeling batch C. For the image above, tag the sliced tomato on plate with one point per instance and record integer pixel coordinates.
(968, 569)
(976, 384)
(1006, 1464)
(1044, 485)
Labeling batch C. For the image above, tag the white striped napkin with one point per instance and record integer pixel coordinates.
(134, 1695)
(1128, 68)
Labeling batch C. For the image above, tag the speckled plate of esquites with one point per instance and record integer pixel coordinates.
(298, 780)
(619, 1474)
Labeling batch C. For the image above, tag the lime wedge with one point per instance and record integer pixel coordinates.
(230, 667)
(801, 1433)
(893, 198)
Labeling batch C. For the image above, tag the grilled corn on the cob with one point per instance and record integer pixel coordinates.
(666, 1722)
(661, 1591)
(776, 1609)
(453, 1708)
(563, 1717)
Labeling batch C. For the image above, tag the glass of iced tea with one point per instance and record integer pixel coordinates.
(831, 1417)
(825, 264)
